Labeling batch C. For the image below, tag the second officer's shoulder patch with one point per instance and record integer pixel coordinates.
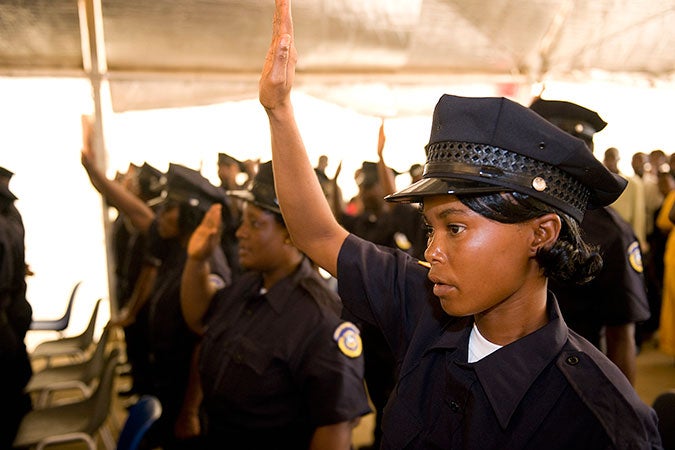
(635, 257)
(348, 339)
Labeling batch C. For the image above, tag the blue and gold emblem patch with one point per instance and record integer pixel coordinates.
(635, 257)
(348, 338)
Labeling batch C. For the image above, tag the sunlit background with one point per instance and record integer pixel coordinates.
(41, 140)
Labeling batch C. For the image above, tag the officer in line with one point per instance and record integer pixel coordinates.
(486, 359)
(606, 310)
(135, 270)
(185, 198)
(278, 367)
(15, 318)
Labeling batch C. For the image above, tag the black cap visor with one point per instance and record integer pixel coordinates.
(441, 186)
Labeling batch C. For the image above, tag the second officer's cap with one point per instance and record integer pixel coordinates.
(261, 190)
(577, 120)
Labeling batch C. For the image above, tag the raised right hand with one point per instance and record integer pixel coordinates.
(207, 235)
(278, 72)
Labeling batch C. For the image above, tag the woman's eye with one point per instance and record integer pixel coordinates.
(455, 229)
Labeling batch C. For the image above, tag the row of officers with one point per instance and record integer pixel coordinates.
(274, 358)
(480, 323)
(236, 331)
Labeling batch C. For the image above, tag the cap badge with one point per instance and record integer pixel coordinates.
(348, 339)
(539, 184)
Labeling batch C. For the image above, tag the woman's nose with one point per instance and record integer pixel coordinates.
(433, 251)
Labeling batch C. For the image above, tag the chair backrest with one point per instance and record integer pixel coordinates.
(101, 399)
(94, 366)
(87, 336)
(664, 405)
(141, 417)
(61, 323)
(65, 320)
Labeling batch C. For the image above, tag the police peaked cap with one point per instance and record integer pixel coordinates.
(184, 185)
(224, 158)
(150, 179)
(489, 145)
(570, 117)
(261, 190)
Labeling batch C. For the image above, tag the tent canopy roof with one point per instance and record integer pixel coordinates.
(169, 51)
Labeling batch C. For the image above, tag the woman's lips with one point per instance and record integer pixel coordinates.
(442, 290)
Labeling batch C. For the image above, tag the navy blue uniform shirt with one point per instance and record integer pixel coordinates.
(271, 368)
(550, 389)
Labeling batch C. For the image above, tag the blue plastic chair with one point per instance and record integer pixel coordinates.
(141, 417)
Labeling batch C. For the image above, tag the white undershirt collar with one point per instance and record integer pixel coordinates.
(479, 347)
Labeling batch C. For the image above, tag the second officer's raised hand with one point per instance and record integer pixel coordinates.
(278, 72)
(207, 235)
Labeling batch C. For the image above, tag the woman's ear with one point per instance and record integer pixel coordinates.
(546, 230)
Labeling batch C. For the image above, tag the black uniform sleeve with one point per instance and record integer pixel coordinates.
(385, 287)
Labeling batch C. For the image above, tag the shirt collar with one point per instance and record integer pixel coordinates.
(507, 374)
(279, 295)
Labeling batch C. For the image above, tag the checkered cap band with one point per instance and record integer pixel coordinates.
(497, 166)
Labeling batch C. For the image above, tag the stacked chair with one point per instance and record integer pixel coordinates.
(87, 416)
(73, 347)
(61, 323)
(73, 422)
(78, 376)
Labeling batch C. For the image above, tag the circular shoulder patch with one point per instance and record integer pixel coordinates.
(402, 241)
(635, 257)
(348, 338)
(215, 281)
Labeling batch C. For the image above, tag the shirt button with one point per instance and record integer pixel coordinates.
(238, 357)
(248, 311)
(572, 360)
(454, 406)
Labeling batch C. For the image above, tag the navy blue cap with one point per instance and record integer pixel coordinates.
(575, 119)
(184, 185)
(261, 190)
(149, 180)
(483, 145)
(224, 158)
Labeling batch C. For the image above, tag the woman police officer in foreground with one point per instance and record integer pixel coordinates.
(485, 359)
